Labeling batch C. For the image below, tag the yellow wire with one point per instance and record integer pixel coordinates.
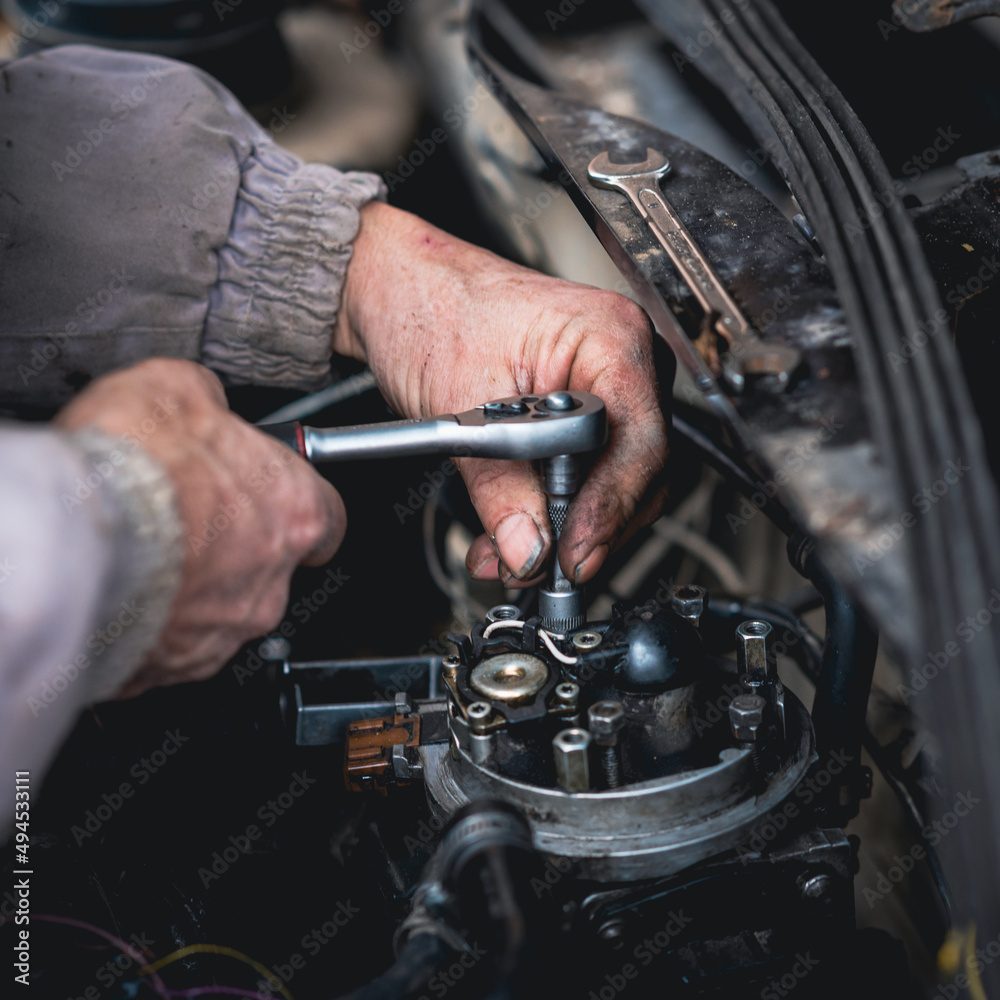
(215, 949)
(950, 955)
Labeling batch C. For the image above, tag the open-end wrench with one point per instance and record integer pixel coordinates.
(640, 183)
(518, 427)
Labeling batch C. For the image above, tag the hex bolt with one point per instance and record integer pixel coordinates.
(688, 601)
(746, 716)
(570, 750)
(816, 889)
(753, 650)
(606, 720)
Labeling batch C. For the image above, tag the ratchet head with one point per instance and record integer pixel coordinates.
(604, 173)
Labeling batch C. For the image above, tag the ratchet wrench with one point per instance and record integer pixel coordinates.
(640, 183)
(518, 427)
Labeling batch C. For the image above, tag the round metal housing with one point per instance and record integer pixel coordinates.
(645, 829)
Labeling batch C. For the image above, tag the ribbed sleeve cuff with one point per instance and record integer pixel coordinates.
(282, 269)
(140, 517)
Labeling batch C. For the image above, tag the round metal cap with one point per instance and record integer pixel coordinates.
(509, 677)
(560, 401)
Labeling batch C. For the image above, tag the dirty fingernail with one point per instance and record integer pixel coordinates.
(586, 568)
(520, 542)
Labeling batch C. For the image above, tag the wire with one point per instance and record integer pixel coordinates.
(215, 949)
(503, 623)
(707, 552)
(557, 653)
(126, 949)
(308, 405)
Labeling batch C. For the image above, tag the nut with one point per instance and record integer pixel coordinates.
(570, 750)
(688, 601)
(753, 654)
(503, 613)
(746, 715)
(606, 719)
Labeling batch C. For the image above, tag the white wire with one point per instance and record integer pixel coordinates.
(557, 653)
(546, 637)
(348, 388)
(503, 623)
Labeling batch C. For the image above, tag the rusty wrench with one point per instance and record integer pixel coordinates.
(639, 182)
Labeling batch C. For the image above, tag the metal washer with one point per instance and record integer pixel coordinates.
(509, 677)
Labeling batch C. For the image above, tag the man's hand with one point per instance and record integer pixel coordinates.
(446, 325)
(235, 581)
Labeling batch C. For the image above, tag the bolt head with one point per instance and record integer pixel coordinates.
(567, 693)
(688, 601)
(746, 715)
(816, 888)
(586, 640)
(606, 719)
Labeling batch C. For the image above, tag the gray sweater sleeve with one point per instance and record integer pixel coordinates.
(144, 212)
(90, 560)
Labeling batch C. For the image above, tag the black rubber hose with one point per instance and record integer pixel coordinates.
(849, 651)
(421, 957)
